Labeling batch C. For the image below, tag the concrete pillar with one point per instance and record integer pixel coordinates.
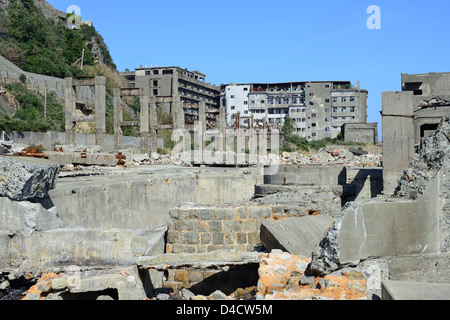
(222, 127)
(153, 124)
(398, 137)
(178, 112)
(118, 116)
(100, 110)
(202, 120)
(69, 110)
(144, 120)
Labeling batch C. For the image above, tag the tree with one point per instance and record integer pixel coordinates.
(288, 126)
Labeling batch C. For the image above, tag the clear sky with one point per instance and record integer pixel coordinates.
(246, 41)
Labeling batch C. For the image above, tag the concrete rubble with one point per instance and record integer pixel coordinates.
(309, 232)
(342, 156)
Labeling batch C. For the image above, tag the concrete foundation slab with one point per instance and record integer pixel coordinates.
(403, 290)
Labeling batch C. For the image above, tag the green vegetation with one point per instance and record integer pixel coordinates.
(40, 45)
(30, 117)
(294, 142)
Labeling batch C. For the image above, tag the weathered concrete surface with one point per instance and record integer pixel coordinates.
(405, 290)
(380, 227)
(100, 159)
(26, 217)
(434, 268)
(217, 257)
(398, 136)
(65, 247)
(298, 236)
(310, 175)
(24, 178)
(92, 284)
(141, 198)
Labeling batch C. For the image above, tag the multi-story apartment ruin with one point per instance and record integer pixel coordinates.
(173, 86)
(319, 108)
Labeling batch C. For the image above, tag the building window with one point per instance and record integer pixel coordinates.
(155, 83)
(233, 107)
(311, 103)
(314, 134)
(352, 109)
(262, 101)
(232, 97)
(294, 100)
(344, 99)
(286, 100)
(327, 120)
(335, 109)
(147, 73)
(245, 102)
(327, 100)
(245, 89)
(311, 94)
(327, 86)
(155, 92)
(327, 129)
(335, 99)
(335, 118)
(313, 125)
(278, 101)
(327, 110)
(352, 99)
(270, 101)
(344, 109)
(313, 115)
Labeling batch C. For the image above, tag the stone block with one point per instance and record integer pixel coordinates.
(24, 178)
(298, 236)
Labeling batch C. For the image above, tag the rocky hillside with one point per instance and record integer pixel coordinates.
(33, 36)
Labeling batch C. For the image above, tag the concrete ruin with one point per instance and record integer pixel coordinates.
(221, 231)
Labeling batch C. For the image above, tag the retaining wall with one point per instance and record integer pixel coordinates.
(198, 229)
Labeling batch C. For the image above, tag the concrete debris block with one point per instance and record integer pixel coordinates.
(298, 236)
(352, 156)
(27, 217)
(218, 295)
(140, 157)
(80, 148)
(24, 178)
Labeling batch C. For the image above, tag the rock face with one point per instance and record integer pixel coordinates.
(26, 178)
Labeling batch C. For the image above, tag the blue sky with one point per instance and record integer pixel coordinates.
(277, 41)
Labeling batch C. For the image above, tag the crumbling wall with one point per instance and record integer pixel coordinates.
(431, 162)
(414, 221)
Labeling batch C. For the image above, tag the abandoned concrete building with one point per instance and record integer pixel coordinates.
(319, 108)
(174, 88)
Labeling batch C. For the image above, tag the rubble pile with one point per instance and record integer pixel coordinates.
(284, 276)
(341, 156)
(153, 159)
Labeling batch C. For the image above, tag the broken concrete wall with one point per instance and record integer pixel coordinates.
(142, 201)
(415, 222)
(309, 175)
(24, 178)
